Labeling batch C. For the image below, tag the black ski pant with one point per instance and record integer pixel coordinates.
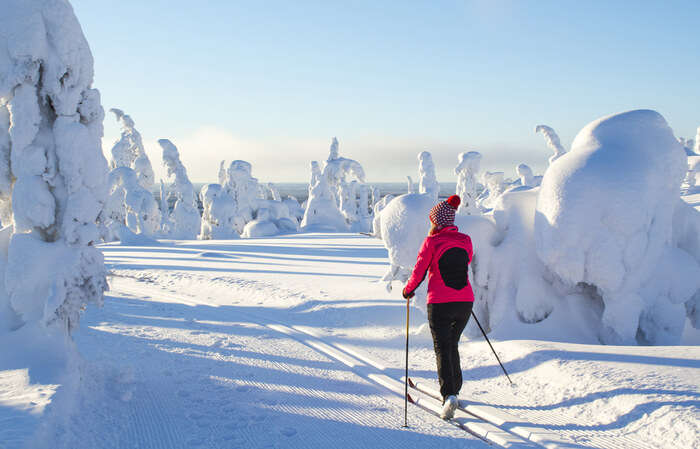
(447, 321)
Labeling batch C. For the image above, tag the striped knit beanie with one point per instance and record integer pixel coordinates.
(443, 214)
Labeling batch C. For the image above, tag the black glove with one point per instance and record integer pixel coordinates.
(409, 296)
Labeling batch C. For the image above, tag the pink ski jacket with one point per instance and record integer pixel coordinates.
(444, 257)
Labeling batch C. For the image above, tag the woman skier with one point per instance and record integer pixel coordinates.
(444, 256)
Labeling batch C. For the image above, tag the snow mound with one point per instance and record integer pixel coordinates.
(260, 228)
(604, 219)
(129, 238)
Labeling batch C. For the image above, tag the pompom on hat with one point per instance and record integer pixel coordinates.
(443, 214)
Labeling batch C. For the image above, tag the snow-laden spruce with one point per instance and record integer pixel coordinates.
(467, 169)
(552, 139)
(52, 171)
(605, 219)
(410, 186)
(218, 214)
(184, 221)
(333, 202)
(130, 202)
(238, 181)
(240, 204)
(128, 151)
(691, 183)
(427, 180)
(494, 186)
(322, 211)
(527, 179)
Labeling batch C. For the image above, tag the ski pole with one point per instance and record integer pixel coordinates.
(494, 351)
(405, 399)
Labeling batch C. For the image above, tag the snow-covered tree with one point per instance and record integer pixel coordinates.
(527, 179)
(239, 183)
(5, 172)
(295, 209)
(51, 165)
(552, 139)
(691, 177)
(687, 145)
(315, 173)
(336, 192)
(274, 192)
(427, 181)
(128, 151)
(218, 215)
(130, 200)
(321, 208)
(129, 204)
(494, 184)
(185, 218)
(696, 148)
(376, 221)
(410, 186)
(165, 225)
(623, 241)
(467, 170)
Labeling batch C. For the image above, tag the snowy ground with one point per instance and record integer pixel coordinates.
(182, 355)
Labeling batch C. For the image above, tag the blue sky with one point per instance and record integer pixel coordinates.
(272, 82)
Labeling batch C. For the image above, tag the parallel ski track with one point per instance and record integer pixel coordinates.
(481, 427)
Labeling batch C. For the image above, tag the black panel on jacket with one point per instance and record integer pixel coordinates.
(453, 267)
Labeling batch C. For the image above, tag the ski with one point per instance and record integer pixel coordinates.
(499, 418)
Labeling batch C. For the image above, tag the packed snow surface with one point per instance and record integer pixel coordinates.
(181, 356)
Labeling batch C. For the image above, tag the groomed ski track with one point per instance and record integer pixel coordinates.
(213, 380)
(372, 371)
